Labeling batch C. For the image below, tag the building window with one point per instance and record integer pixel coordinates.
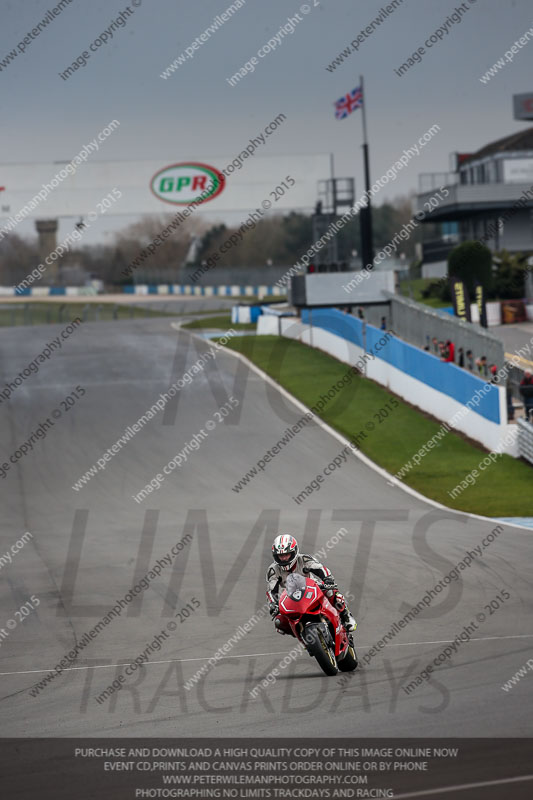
(465, 230)
(492, 172)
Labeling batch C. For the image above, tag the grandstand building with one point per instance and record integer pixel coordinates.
(490, 198)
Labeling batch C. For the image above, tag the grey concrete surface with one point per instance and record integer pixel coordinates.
(515, 337)
(89, 548)
(188, 305)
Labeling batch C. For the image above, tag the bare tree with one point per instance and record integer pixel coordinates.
(169, 254)
(18, 257)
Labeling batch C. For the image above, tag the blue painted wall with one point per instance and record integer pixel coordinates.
(451, 380)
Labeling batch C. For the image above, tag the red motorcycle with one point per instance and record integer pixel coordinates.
(315, 622)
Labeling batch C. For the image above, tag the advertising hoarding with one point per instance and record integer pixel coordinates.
(156, 186)
(518, 170)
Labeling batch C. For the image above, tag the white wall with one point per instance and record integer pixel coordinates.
(327, 288)
(267, 324)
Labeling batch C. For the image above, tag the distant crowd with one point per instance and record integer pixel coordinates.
(446, 352)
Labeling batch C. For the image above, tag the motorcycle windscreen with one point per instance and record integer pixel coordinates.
(295, 586)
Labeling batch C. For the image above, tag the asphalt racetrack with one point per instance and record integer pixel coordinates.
(89, 547)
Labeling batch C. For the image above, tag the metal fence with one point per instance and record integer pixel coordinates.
(419, 324)
(514, 376)
(525, 440)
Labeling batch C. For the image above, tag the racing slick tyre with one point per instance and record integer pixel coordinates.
(317, 642)
(349, 662)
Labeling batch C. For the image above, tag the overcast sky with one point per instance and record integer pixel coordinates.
(196, 113)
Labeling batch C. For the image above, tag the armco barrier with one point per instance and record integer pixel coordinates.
(47, 291)
(434, 386)
(204, 291)
(144, 289)
(245, 313)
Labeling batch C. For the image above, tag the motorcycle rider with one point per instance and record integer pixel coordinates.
(287, 560)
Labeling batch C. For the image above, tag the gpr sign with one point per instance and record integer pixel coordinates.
(187, 182)
(155, 186)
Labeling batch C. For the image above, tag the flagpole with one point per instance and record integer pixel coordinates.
(367, 247)
(365, 136)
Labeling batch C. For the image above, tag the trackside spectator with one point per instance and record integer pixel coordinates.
(481, 364)
(510, 406)
(526, 390)
(470, 360)
(448, 353)
(461, 357)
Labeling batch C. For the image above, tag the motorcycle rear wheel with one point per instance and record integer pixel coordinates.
(318, 647)
(349, 662)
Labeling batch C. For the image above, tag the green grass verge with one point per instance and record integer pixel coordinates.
(220, 322)
(503, 489)
(417, 285)
(42, 313)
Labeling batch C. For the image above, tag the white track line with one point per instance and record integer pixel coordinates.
(167, 661)
(449, 641)
(356, 454)
(462, 787)
(253, 655)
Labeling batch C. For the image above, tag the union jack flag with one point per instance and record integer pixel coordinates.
(349, 103)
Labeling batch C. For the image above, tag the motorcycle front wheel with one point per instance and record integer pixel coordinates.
(318, 646)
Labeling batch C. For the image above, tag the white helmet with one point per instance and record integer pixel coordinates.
(285, 551)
